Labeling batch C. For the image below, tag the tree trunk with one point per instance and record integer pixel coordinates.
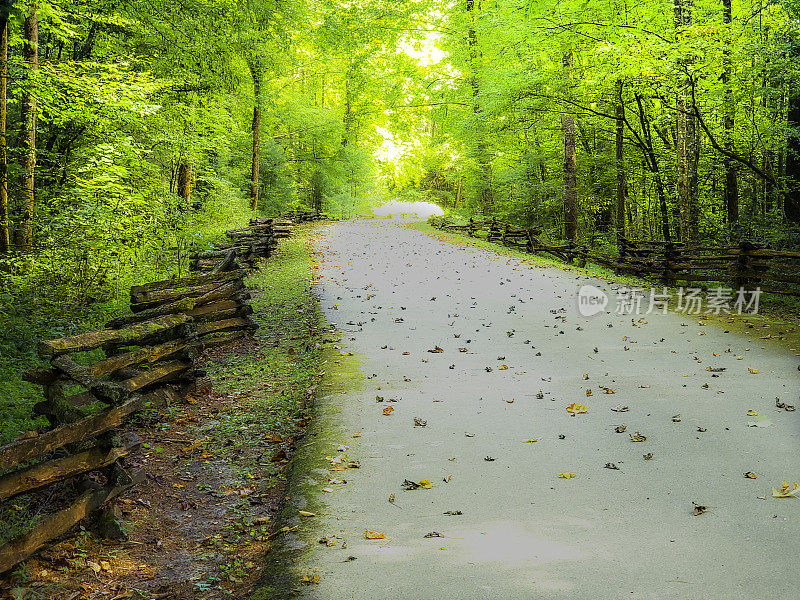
(482, 156)
(731, 193)
(619, 113)
(570, 168)
(791, 199)
(5, 228)
(255, 71)
(185, 181)
(687, 148)
(30, 54)
(652, 163)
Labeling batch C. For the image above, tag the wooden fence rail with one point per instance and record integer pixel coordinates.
(742, 265)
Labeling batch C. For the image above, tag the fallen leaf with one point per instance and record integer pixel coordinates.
(436, 350)
(374, 535)
(388, 410)
(620, 428)
(752, 371)
(566, 475)
(699, 509)
(648, 456)
(620, 408)
(93, 566)
(433, 534)
(310, 579)
(193, 446)
(305, 513)
(751, 475)
(576, 408)
(453, 513)
(612, 466)
(676, 418)
(786, 491)
(637, 437)
(328, 541)
(419, 422)
(530, 441)
(588, 392)
(503, 368)
(425, 483)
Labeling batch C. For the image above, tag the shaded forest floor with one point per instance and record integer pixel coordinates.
(201, 524)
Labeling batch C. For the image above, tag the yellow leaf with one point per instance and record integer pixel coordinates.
(305, 513)
(753, 371)
(503, 368)
(308, 580)
(786, 491)
(425, 483)
(374, 535)
(193, 446)
(576, 408)
(530, 440)
(388, 410)
(752, 413)
(566, 475)
(588, 392)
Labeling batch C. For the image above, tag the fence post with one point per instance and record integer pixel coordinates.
(742, 264)
(668, 274)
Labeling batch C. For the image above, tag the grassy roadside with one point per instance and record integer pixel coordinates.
(778, 320)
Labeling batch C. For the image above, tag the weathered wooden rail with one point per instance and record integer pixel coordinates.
(741, 265)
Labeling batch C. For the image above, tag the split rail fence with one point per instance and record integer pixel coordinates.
(95, 381)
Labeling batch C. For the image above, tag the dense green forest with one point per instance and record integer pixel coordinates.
(136, 130)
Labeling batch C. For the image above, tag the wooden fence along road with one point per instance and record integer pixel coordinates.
(148, 361)
(743, 265)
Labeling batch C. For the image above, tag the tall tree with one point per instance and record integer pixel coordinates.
(619, 141)
(5, 227)
(255, 162)
(28, 115)
(686, 131)
(570, 164)
(731, 192)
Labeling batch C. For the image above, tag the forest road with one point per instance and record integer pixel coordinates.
(508, 331)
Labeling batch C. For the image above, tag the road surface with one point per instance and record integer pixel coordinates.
(515, 352)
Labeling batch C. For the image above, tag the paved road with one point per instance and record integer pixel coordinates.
(524, 532)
